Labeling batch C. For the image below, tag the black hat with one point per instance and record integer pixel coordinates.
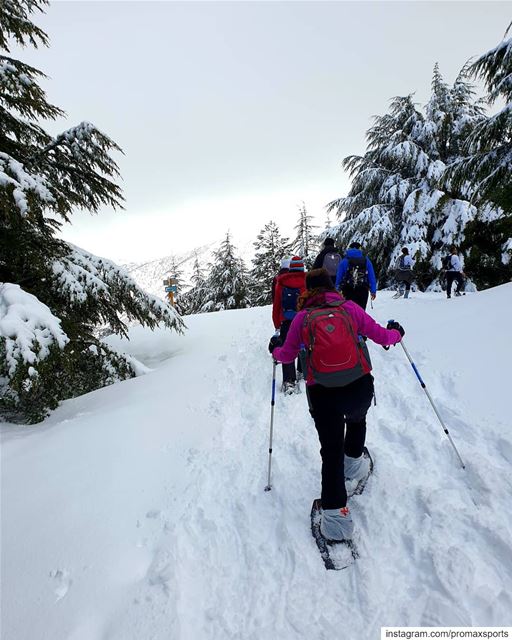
(355, 245)
(319, 279)
(329, 242)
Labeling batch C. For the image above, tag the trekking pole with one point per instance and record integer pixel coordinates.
(424, 387)
(272, 404)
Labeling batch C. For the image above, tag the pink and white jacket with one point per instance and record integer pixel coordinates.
(365, 326)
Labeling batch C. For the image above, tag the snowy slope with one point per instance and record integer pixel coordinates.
(138, 511)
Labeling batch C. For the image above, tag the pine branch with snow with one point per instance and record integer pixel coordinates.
(487, 161)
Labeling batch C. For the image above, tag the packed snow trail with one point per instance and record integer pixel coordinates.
(139, 511)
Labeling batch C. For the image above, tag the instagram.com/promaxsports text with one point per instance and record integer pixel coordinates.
(449, 633)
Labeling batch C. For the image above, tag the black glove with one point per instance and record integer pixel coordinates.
(275, 341)
(393, 324)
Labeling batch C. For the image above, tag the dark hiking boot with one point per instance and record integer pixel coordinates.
(289, 388)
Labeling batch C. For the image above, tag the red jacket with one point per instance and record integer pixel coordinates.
(294, 279)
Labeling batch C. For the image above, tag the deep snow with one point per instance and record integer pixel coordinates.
(138, 511)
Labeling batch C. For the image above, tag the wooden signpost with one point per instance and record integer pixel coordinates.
(171, 289)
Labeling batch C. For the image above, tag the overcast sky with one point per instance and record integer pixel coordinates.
(231, 114)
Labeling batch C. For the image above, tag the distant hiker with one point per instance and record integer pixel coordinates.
(454, 272)
(339, 387)
(285, 267)
(356, 277)
(289, 287)
(328, 259)
(404, 274)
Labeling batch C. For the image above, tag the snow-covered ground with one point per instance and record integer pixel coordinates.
(138, 511)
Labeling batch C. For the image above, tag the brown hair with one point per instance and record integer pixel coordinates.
(318, 282)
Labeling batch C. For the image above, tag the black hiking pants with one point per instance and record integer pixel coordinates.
(358, 294)
(333, 408)
(452, 276)
(289, 372)
(406, 284)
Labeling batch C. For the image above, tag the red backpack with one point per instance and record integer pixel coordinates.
(334, 353)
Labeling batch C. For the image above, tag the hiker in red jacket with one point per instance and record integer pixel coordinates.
(284, 268)
(289, 287)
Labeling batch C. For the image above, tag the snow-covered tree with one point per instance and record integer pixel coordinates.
(382, 181)
(193, 300)
(397, 197)
(227, 285)
(270, 248)
(485, 173)
(487, 161)
(176, 272)
(66, 293)
(305, 243)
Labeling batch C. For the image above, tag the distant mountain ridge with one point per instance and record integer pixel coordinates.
(150, 274)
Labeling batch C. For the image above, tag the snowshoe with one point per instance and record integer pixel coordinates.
(336, 555)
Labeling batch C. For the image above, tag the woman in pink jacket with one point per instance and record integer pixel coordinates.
(334, 407)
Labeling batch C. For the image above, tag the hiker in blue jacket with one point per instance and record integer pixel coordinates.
(356, 277)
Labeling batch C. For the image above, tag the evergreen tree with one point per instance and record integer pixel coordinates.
(193, 300)
(227, 284)
(397, 197)
(51, 351)
(270, 247)
(485, 173)
(176, 272)
(305, 244)
(382, 181)
(487, 164)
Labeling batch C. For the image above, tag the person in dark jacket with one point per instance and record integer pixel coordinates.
(289, 287)
(329, 259)
(356, 277)
(335, 408)
(404, 274)
(285, 267)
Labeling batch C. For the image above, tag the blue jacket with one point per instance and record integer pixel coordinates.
(344, 265)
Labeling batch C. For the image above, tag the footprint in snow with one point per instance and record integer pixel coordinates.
(63, 580)
(192, 455)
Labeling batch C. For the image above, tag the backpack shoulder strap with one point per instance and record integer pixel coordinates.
(334, 303)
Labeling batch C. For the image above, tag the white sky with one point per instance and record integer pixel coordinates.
(231, 114)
